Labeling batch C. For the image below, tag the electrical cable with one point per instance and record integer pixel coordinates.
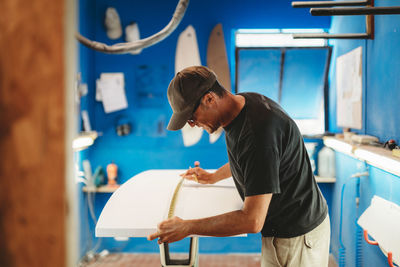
(90, 251)
(90, 199)
(342, 248)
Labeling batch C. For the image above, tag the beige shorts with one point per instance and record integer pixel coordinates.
(311, 249)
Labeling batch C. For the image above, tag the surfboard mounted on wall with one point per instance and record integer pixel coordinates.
(132, 34)
(187, 54)
(217, 60)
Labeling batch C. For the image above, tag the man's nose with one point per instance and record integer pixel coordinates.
(191, 123)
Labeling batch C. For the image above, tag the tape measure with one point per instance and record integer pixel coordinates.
(166, 260)
(172, 204)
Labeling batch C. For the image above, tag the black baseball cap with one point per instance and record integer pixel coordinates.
(185, 90)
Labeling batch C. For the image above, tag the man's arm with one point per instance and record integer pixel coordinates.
(250, 219)
(205, 177)
(223, 172)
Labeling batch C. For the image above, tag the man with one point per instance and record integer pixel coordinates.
(270, 167)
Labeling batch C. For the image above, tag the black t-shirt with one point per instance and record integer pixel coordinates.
(267, 155)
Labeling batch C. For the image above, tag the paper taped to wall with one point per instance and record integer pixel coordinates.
(349, 89)
(110, 89)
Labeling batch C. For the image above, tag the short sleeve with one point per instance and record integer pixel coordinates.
(260, 166)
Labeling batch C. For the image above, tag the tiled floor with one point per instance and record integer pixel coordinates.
(205, 260)
(153, 260)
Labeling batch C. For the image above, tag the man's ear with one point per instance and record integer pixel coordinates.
(209, 98)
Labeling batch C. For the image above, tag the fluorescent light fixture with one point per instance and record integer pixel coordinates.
(258, 31)
(277, 38)
(379, 161)
(338, 145)
(303, 31)
(84, 140)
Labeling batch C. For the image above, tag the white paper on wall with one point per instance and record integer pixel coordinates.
(86, 121)
(349, 89)
(98, 90)
(111, 90)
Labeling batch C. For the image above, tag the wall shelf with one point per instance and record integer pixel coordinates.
(375, 156)
(101, 189)
(325, 180)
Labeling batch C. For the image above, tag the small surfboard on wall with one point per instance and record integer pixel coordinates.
(217, 60)
(132, 34)
(187, 54)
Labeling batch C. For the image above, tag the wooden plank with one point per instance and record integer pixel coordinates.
(32, 143)
(217, 60)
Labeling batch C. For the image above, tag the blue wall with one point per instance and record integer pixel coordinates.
(149, 146)
(381, 118)
(381, 81)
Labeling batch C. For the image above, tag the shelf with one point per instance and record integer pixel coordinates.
(375, 156)
(322, 180)
(101, 189)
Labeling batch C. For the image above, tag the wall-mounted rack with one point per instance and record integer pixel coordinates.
(332, 6)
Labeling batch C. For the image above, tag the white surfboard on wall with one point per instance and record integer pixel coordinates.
(187, 54)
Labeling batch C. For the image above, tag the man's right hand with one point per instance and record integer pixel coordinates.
(203, 177)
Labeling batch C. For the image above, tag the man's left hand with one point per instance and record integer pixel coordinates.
(170, 230)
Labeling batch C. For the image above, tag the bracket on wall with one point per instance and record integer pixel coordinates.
(327, 10)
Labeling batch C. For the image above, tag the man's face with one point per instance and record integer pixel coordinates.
(206, 115)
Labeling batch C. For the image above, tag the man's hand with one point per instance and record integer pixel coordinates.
(171, 230)
(203, 177)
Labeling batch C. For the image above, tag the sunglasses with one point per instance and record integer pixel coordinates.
(192, 119)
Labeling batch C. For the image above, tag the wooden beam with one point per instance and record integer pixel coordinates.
(352, 11)
(331, 36)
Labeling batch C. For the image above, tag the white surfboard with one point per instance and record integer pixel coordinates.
(138, 205)
(217, 60)
(132, 34)
(187, 54)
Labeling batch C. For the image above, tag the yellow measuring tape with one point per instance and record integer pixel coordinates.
(172, 205)
(164, 248)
